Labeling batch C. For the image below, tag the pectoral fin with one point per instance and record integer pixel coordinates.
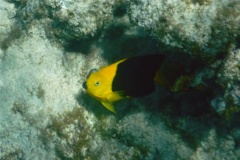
(109, 106)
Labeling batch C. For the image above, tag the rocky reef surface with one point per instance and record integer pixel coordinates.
(47, 48)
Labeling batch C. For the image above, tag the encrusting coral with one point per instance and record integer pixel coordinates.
(202, 28)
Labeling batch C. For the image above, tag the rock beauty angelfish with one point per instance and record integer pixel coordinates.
(130, 77)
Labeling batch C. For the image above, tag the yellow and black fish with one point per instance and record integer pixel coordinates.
(132, 77)
(135, 77)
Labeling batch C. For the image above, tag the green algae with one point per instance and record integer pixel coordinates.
(77, 143)
(73, 133)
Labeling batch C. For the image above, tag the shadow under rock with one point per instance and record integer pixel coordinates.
(121, 41)
(237, 43)
(187, 114)
(79, 45)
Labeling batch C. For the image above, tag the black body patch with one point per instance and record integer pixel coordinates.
(134, 76)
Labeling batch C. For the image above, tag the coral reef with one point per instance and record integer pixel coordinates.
(69, 19)
(228, 77)
(202, 28)
(7, 12)
(230, 72)
(47, 48)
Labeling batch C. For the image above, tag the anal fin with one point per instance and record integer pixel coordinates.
(109, 106)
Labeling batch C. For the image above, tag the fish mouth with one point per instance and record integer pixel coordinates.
(84, 85)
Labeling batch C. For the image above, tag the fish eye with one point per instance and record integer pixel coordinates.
(91, 71)
(97, 83)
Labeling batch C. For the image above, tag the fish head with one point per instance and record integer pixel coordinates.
(97, 85)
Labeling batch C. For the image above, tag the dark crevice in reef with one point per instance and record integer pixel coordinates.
(17, 3)
(78, 45)
(120, 11)
(238, 42)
